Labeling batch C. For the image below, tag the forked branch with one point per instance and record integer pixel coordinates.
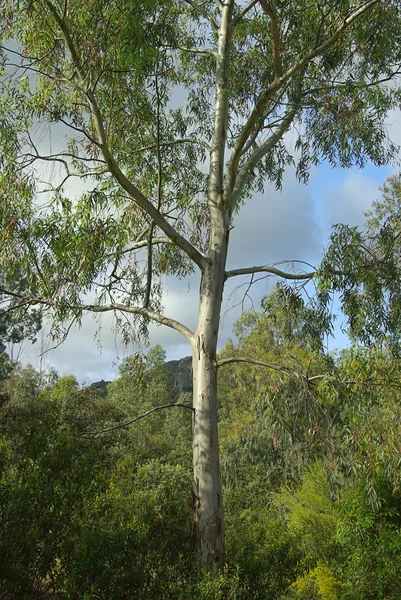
(278, 82)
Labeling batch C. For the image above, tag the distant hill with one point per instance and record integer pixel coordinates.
(180, 374)
(100, 388)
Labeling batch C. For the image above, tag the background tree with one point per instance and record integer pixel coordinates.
(85, 515)
(163, 184)
(363, 266)
(310, 464)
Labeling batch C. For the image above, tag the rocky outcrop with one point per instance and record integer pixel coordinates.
(100, 388)
(180, 375)
(180, 372)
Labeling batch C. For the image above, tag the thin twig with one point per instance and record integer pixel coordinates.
(127, 423)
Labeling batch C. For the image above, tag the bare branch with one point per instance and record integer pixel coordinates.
(272, 271)
(127, 423)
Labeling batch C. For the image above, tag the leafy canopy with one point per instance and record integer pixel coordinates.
(120, 97)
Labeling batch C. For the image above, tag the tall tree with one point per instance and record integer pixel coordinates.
(162, 184)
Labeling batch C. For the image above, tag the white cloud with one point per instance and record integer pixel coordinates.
(276, 226)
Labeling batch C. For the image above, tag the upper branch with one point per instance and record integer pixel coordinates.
(216, 172)
(275, 34)
(236, 181)
(144, 243)
(115, 170)
(264, 98)
(244, 11)
(199, 9)
(173, 143)
(207, 51)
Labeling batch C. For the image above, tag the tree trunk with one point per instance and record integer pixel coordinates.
(208, 518)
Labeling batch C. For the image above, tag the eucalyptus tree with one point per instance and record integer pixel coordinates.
(171, 114)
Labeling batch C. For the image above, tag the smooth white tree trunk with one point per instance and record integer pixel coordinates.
(209, 517)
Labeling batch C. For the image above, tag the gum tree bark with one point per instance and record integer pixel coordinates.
(209, 519)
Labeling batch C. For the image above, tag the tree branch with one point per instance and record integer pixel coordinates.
(115, 306)
(159, 192)
(275, 35)
(200, 10)
(287, 370)
(115, 170)
(144, 243)
(237, 181)
(278, 82)
(144, 312)
(207, 51)
(272, 271)
(221, 120)
(127, 423)
(244, 11)
(173, 143)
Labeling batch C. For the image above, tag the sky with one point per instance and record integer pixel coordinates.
(291, 224)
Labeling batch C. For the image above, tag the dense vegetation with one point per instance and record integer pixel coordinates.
(310, 464)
